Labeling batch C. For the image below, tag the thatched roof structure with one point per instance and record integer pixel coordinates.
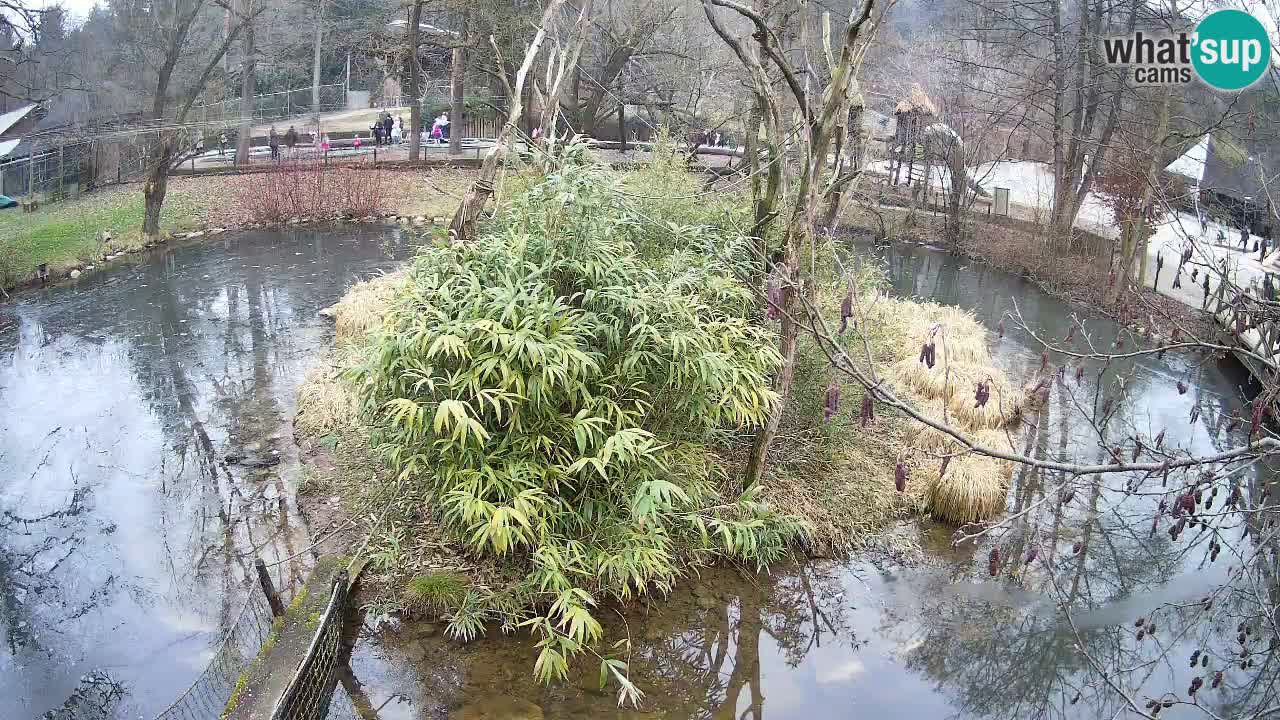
(915, 101)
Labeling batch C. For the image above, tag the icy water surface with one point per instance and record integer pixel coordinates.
(146, 457)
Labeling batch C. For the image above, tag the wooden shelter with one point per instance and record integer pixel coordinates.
(914, 113)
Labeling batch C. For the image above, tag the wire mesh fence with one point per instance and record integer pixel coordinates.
(286, 103)
(310, 691)
(54, 173)
(206, 698)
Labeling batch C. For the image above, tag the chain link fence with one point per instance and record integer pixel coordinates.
(308, 695)
(272, 106)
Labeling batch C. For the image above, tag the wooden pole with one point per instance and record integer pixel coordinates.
(622, 120)
(264, 579)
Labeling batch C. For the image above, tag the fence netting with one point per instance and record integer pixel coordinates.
(308, 695)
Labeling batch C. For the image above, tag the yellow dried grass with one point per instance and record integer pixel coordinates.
(974, 488)
(960, 338)
(943, 380)
(364, 308)
(1003, 408)
(325, 403)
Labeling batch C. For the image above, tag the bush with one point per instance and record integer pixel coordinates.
(311, 190)
(558, 399)
(435, 592)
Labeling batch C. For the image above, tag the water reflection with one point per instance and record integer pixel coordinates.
(146, 458)
(943, 638)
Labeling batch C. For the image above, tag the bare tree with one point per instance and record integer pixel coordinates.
(178, 44)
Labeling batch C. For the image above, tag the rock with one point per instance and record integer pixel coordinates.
(437, 220)
(419, 220)
(196, 234)
(329, 312)
(74, 274)
(217, 231)
(87, 268)
(500, 707)
(706, 602)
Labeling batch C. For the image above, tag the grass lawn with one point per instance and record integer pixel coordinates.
(67, 234)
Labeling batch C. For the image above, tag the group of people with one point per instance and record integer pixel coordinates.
(439, 132)
(273, 140)
(387, 131)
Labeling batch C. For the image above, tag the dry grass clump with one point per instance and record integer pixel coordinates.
(974, 487)
(325, 403)
(364, 307)
(958, 335)
(842, 484)
(1004, 408)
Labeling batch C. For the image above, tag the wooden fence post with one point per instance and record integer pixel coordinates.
(264, 579)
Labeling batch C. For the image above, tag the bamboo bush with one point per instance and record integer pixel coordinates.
(558, 399)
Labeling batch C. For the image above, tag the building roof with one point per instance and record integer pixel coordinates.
(7, 146)
(13, 117)
(916, 101)
(1191, 164)
(1240, 177)
(425, 27)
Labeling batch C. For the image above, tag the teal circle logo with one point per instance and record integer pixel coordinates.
(1232, 50)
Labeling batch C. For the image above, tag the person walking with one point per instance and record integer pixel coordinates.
(1244, 237)
(356, 143)
(291, 138)
(376, 131)
(444, 127)
(273, 141)
(222, 144)
(387, 126)
(397, 134)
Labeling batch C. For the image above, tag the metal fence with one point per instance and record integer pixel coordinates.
(310, 691)
(55, 173)
(270, 106)
(208, 695)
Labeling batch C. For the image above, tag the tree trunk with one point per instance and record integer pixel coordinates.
(153, 191)
(412, 70)
(315, 66)
(463, 226)
(457, 76)
(760, 444)
(248, 68)
(563, 62)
